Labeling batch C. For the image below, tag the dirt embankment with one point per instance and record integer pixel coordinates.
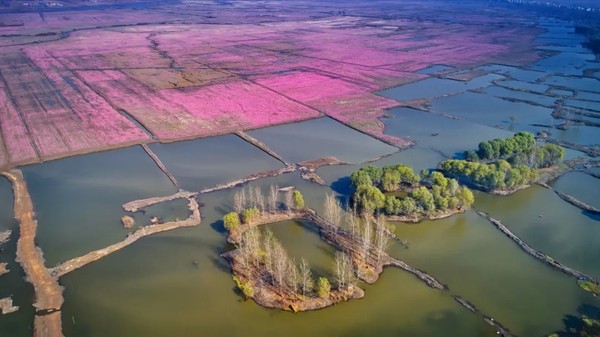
(420, 216)
(308, 168)
(78, 262)
(48, 293)
(538, 255)
(160, 165)
(264, 147)
(260, 175)
(134, 206)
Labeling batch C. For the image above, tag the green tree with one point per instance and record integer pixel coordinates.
(423, 199)
(471, 155)
(323, 287)
(231, 221)
(298, 200)
(390, 180)
(250, 214)
(465, 197)
(369, 198)
(360, 178)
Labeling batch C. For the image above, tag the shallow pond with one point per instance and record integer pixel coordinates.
(319, 138)
(451, 137)
(79, 200)
(436, 87)
(206, 162)
(580, 185)
(480, 264)
(502, 92)
(549, 224)
(489, 110)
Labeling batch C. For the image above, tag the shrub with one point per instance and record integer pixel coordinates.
(245, 287)
(231, 221)
(323, 287)
(250, 214)
(298, 200)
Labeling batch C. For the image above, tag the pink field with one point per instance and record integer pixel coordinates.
(201, 70)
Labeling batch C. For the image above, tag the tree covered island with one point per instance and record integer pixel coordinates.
(503, 166)
(263, 270)
(403, 195)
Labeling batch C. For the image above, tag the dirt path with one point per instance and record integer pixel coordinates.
(78, 262)
(48, 293)
(160, 165)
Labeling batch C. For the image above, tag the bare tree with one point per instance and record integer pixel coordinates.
(250, 199)
(260, 199)
(381, 238)
(366, 238)
(239, 201)
(267, 245)
(273, 197)
(333, 211)
(289, 204)
(249, 247)
(352, 223)
(293, 275)
(280, 265)
(306, 280)
(343, 270)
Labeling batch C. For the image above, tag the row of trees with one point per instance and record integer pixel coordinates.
(426, 194)
(495, 176)
(361, 236)
(250, 202)
(442, 195)
(517, 150)
(262, 253)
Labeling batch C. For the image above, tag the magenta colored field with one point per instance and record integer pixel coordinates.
(220, 72)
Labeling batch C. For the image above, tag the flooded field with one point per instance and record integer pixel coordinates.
(79, 200)
(321, 138)
(202, 163)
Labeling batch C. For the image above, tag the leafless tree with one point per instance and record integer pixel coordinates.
(343, 270)
(333, 211)
(366, 238)
(260, 199)
(267, 245)
(289, 204)
(293, 275)
(280, 264)
(250, 198)
(381, 238)
(239, 201)
(352, 223)
(273, 197)
(306, 280)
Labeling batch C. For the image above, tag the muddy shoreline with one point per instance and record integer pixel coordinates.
(48, 293)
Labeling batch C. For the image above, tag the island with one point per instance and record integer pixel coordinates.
(504, 166)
